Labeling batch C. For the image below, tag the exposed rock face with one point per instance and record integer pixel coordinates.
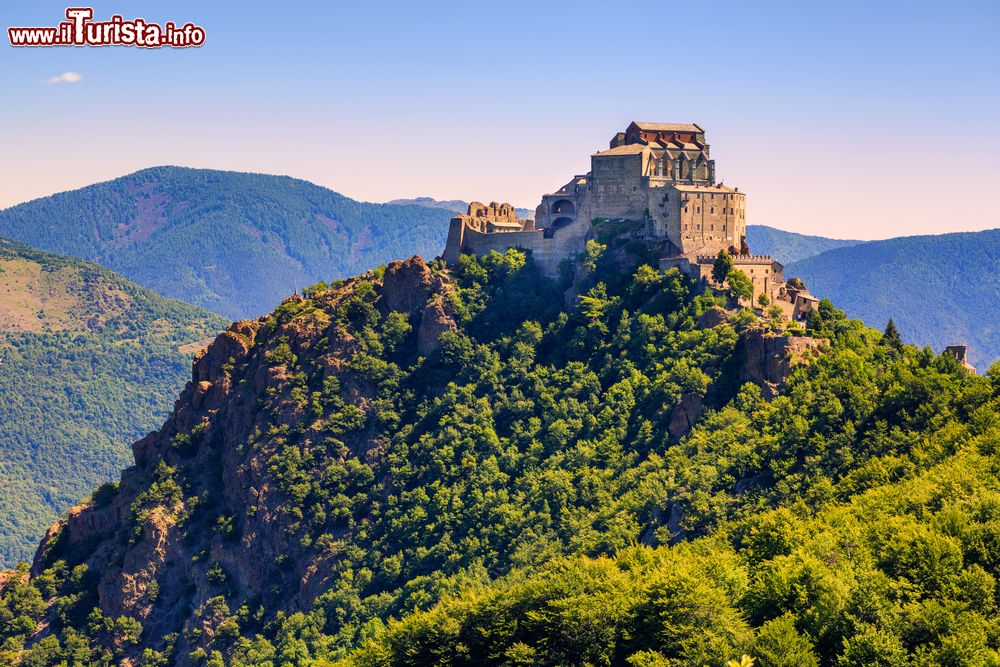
(434, 321)
(406, 285)
(684, 415)
(202, 503)
(410, 287)
(768, 359)
(713, 317)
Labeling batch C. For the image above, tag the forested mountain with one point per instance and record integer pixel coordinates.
(788, 247)
(649, 477)
(232, 242)
(88, 363)
(939, 290)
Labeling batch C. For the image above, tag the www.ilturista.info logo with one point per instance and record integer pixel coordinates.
(81, 30)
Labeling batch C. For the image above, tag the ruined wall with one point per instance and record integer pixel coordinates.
(547, 250)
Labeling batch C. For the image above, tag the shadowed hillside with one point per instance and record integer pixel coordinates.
(88, 362)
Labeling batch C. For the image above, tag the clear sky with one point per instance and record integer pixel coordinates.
(847, 119)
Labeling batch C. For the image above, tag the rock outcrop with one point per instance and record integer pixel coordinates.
(768, 359)
(406, 285)
(204, 509)
(684, 415)
(713, 317)
(434, 321)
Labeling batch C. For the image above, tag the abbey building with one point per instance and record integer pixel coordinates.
(661, 175)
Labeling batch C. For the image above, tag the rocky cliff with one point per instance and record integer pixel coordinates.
(205, 511)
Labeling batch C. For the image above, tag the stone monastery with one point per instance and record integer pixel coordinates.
(658, 174)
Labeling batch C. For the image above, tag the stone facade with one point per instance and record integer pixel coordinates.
(960, 353)
(766, 274)
(659, 175)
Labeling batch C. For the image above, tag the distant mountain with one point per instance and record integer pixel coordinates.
(939, 290)
(789, 247)
(235, 243)
(88, 363)
(455, 205)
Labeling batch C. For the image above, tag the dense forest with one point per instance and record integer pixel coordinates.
(337, 491)
(939, 289)
(235, 243)
(88, 363)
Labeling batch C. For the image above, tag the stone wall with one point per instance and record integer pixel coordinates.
(767, 275)
(548, 249)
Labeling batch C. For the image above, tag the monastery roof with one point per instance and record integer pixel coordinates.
(667, 127)
(626, 149)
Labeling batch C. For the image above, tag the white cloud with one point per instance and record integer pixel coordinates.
(65, 77)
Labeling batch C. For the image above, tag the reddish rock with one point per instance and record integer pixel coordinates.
(434, 321)
(406, 285)
(713, 317)
(768, 359)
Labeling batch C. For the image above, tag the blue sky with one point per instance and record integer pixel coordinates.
(849, 119)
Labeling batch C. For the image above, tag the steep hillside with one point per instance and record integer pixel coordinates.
(234, 243)
(454, 205)
(526, 485)
(788, 247)
(939, 290)
(88, 362)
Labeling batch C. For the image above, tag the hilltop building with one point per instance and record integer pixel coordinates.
(658, 174)
(960, 354)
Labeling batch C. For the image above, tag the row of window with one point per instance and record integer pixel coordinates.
(711, 228)
(697, 209)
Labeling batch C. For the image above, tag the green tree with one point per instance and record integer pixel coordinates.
(740, 285)
(891, 338)
(722, 266)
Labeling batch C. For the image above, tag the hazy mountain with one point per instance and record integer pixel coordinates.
(455, 205)
(939, 289)
(88, 363)
(235, 243)
(789, 247)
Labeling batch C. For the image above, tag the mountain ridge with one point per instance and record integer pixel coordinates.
(192, 233)
(939, 289)
(789, 247)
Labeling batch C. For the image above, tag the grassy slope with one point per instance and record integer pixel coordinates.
(90, 362)
(235, 243)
